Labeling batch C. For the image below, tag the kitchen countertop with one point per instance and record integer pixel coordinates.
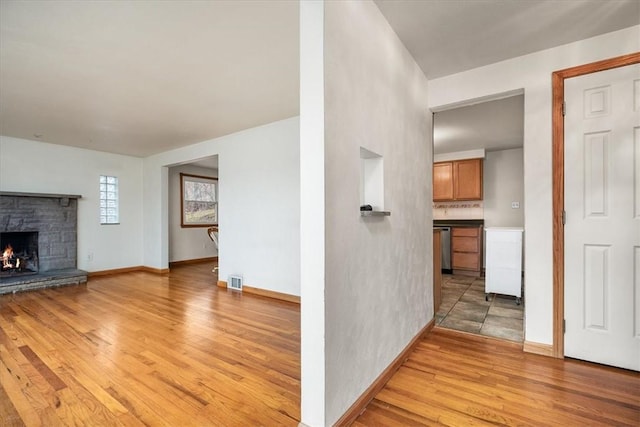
(458, 222)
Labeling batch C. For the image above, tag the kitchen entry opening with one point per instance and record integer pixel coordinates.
(479, 159)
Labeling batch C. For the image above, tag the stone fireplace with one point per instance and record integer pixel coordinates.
(38, 241)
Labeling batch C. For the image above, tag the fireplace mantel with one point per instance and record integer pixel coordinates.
(53, 196)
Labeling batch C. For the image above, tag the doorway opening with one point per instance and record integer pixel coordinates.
(487, 135)
(190, 239)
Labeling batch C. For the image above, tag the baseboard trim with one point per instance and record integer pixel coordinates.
(361, 403)
(538, 348)
(473, 336)
(264, 292)
(114, 271)
(155, 270)
(128, 270)
(193, 261)
(271, 294)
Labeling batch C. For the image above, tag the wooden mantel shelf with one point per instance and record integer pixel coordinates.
(55, 196)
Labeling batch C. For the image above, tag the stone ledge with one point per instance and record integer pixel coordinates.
(46, 195)
(47, 279)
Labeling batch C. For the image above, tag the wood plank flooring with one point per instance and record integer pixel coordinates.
(458, 379)
(142, 349)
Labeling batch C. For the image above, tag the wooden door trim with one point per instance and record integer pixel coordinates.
(558, 78)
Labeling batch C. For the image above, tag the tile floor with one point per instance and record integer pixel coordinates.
(464, 308)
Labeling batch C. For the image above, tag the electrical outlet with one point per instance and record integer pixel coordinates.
(515, 205)
(90, 256)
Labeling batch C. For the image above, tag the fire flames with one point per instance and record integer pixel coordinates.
(7, 257)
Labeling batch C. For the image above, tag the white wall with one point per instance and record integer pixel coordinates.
(260, 208)
(503, 183)
(312, 214)
(189, 242)
(259, 202)
(533, 74)
(378, 285)
(38, 167)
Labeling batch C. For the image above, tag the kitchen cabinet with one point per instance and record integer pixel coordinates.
(443, 181)
(466, 250)
(457, 180)
(467, 179)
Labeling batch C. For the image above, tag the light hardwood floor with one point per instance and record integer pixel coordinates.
(142, 349)
(458, 379)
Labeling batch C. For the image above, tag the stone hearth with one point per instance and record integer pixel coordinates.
(54, 217)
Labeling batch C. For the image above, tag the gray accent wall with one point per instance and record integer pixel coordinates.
(378, 270)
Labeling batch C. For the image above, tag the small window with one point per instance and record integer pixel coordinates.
(199, 200)
(109, 200)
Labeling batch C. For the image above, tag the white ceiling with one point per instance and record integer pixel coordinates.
(493, 125)
(142, 77)
(449, 36)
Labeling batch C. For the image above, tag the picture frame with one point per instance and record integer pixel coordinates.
(198, 200)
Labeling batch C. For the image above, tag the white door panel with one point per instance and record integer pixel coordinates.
(602, 203)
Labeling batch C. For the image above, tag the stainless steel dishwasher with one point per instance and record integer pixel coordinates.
(445, 233)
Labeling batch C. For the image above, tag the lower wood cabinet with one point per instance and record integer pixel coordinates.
(466, 249)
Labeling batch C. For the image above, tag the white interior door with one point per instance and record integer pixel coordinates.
(602, 231)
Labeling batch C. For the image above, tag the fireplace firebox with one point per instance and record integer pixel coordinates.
(19, 253)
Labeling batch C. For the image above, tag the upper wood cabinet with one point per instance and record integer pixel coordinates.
(443, 181)
(467, 179)
(457, 180)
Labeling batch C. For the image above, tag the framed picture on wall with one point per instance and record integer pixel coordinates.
(198, 200)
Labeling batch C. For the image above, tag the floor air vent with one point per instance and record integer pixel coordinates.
(235, 283)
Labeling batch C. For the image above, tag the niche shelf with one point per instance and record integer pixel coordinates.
(372, 183)
(375, 213)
